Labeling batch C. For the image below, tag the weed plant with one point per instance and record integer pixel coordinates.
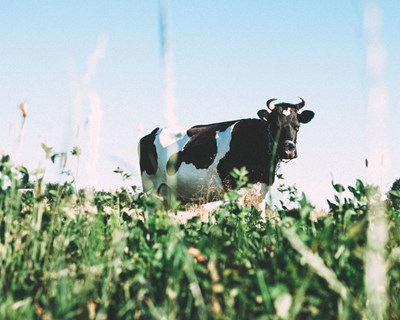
(70, 254)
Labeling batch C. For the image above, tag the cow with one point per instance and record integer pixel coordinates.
(195, 163)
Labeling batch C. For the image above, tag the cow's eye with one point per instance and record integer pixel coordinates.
(297, 127)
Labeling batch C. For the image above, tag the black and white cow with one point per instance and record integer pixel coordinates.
(195, 163)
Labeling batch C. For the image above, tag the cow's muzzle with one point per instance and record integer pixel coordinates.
(288, 150)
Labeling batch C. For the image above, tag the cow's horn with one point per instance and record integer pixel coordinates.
(270, 104)
(301, 104)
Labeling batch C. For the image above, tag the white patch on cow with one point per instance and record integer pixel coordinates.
(168, 137)
(287, 112)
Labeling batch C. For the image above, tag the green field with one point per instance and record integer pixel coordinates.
(69, 254)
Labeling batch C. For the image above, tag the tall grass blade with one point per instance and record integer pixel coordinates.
(375, 263)
(316, 263)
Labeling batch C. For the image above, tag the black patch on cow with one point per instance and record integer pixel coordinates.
(249, 148)
(148, 153)
(201, 149)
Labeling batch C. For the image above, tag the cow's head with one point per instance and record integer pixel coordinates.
(284, 120)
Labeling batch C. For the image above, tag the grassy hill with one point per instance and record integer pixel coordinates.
(70, 254)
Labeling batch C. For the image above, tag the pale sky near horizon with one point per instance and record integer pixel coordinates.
(92, 74)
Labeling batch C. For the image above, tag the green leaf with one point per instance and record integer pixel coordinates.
(76, 151)
(25, 175)
(360, 185)
(54, 157)
(338, 187)
(47, 150)
(395, 193)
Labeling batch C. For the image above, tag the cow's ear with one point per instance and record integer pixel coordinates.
(263, 114)
(306, 116)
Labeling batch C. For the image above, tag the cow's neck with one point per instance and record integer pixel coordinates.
(271, 141)
(273, 156)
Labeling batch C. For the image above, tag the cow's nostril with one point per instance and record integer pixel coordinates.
(289, 146)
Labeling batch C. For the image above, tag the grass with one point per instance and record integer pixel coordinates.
(72, 254)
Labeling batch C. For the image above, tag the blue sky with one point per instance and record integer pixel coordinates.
(229, 57)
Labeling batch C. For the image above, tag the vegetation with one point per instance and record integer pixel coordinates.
(69, 254)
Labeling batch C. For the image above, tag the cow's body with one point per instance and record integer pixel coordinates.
(195, 163)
